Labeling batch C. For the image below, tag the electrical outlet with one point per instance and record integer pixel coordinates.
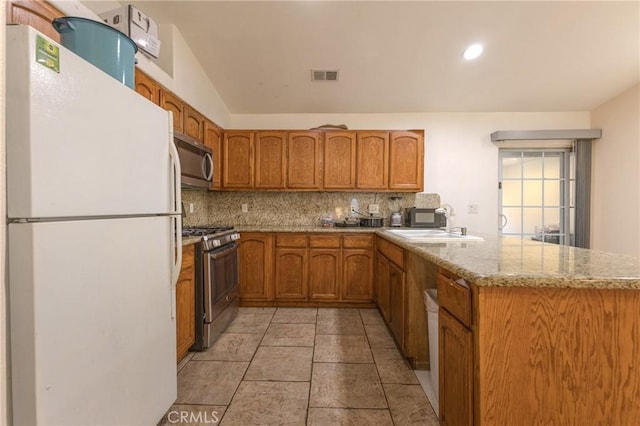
(245, 208)
(472, 209)
(190, 207)
(374, 208)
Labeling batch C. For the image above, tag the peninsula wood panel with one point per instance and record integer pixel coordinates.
(213, 139)
(396, 302)
(186, 304)
(255, 265)
(372, 165)
(237, 160)
(36, 14)
(339, 166)
(172, 103)
(147, 87)
(324, 274)
(381, 285)
(304, 160)
(270, 160)
(558, 356)
(406, 161)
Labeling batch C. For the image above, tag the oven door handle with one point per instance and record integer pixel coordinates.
(223, 251)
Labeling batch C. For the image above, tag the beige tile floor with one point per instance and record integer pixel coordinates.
(300, 366)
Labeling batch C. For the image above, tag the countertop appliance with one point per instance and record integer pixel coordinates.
(196, 162)
(216, 265)
(425, 218)
(93, 206)
(396, 219)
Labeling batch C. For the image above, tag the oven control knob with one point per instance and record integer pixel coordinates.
(235, 237)
(216, 243)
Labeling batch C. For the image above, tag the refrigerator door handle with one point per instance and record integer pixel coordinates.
(176, 250)
(176, 174)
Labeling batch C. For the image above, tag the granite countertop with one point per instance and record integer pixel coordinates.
(513, 262)
(497, 261)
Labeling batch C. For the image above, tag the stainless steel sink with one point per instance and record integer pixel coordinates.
(431, 235)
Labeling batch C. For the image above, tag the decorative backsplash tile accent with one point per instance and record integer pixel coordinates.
(290, 208)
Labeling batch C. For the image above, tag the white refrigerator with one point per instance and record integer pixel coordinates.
(94, 242)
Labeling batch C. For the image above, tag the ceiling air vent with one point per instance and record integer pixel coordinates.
(324, 75)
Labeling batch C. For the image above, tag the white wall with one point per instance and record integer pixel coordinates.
(461, 162)
(615, 202)
(188, 80)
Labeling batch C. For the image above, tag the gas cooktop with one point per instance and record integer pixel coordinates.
(201, 231)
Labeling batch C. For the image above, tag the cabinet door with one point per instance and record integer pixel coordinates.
(372, 166)
(193, 123)
(339, 160)
(357, 278)
(304, 160)
(406, 161)
(455, 367)
(396, 288)
(213, 139)
(172, 103)
(147, 87)
(255, 264)
(35, 13)
(291, 274)
(383, 293)
(270, 161)
(186, 304)
(324, 274)
(237, 160)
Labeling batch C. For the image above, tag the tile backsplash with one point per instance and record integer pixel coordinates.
(290, 208)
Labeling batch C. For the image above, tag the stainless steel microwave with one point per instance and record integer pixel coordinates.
(196, 162)
(425, 218)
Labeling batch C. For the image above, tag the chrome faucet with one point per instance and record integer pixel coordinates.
(462, 229)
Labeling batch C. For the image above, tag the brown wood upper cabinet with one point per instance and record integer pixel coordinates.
(147, 87)
(172, 103)
(193, 123)
(270, 160)
(213, 139)
(36, 14)
(237, 159)
(304, 160)
(372, 165)
(406, 161)
(339, 160)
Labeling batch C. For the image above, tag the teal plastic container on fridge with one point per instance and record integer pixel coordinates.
(105, 47)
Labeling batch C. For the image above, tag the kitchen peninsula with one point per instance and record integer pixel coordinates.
(538, 332)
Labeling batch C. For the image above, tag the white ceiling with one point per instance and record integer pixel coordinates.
(407, 56)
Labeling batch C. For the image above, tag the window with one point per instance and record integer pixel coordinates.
(536, 193)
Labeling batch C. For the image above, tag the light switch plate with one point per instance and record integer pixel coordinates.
(374, 208)
(472, 209)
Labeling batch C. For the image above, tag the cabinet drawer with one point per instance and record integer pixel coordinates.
(324, 241)
(357, 241)
(291, 240)
(391, 252)
(455, 298)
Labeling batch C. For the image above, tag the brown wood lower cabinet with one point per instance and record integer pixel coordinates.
(291, 274)
(306, 268)
(455, 371)
(255, 264)
(390, 283)
(383, 288)
(185, 304)
(325, 266)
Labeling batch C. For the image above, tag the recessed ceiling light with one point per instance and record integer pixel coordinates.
(473, 51)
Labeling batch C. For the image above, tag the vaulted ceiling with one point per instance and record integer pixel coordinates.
(395, 56)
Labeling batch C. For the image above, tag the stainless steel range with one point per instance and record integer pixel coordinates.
(216, 265)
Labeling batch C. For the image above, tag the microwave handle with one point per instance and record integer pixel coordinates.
(207, 158)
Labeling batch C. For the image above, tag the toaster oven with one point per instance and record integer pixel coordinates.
(425, 218)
